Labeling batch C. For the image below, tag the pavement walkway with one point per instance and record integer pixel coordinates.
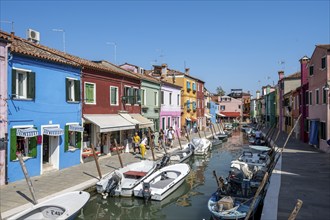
(16, 197)
(303, 172)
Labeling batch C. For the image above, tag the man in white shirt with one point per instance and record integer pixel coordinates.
(170, 136)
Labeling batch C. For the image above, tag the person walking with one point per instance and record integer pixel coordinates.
(161, 139)
(170, 136)
(143, 144)
(136, 142)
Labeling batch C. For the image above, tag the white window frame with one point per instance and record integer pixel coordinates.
(135, 96)
(310, 101)
(162, 97)
(143, 102)
(170, 98)
(94, 91)
(156, 100)
(117, 99)
(178, 99)
(72, 89)
(127, 96)
(24, 72)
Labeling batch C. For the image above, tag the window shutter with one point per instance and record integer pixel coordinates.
(31, 88)
(139, 96)
(13, 142)
(78, 140)
(66, 138)
(32, 147)
(67, 89)
(13, 84)
(77, 90)
(131, 95)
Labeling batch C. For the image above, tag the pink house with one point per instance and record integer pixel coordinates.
(230, 108)
(318, 97)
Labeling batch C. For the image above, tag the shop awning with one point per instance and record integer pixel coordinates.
(207, 115)
(53, 131)
(231, 114)
(26, 132)
(129, 118)
(77, 128)
(221, 115)
(143, 121)
(109, 122)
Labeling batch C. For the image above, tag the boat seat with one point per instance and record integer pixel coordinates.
(162, 183)
(135, 173)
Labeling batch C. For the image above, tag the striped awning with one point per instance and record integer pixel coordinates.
(26, 132)
(53, 131)
(77, 128)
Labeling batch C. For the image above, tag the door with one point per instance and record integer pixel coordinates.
(45, 151)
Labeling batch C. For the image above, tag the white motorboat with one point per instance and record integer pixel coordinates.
(65, 206)
(163, 182)
(258, 159)
(200, 145)
(121, 182)
(181, 155)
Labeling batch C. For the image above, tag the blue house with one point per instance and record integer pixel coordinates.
(44, 109)
(213, 111)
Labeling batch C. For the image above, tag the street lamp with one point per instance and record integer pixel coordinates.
(326, 86)
(63, 32)
(115, 49)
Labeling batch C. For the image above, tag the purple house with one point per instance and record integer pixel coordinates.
(170, 110)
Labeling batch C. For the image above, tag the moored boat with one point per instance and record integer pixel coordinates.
(181, 156)
(200, 145)
(163, 182)
(64, 206)
(121, 182)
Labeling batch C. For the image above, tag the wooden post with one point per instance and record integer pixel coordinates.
(27, 178)
(205, 134)
(187, 135)
(261, 186)
(218, 127)
(96, 161)
(216, 178)
(118, 153)
(296, 209)
(212, 131)
(177, 135)
(151, 145)
(199, 134)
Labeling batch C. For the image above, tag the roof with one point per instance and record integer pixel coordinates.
(170, 84)
(295, 75)
(324, 46)
(27, 48)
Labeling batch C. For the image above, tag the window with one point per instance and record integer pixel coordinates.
(163, 123)
(324, 96)
(306, 97)
(317, 97)
(26, 146)
(90, 93)
(72, 139)
(198, 104)
(188, 104)
(188, 85)
(168, 121)
(162, 97)
(323, 126)
(170, 98)
(136, 96)
(310, 98)
(72, 90)
(323, 63)
(113, 95)
(239, 106)
(178, 100)
(311, 70)
(222, 107)
(23, 84)
(142, 95)
(194, 86)
(156, 98)
(129, 95)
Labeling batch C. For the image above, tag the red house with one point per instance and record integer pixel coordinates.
(200, 105)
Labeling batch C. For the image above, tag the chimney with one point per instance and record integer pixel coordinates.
(280, 74)
(304, 69)
(12, 34)
(164, 69)
(187, 70)
(257, 94)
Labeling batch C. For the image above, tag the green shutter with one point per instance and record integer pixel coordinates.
(78, 140)
(139, 96)
(13, 143)
(131, 95)
(67, 89)
(31, 87)
(77, 90)
(66, 138)
(13, 83)
(32, 147)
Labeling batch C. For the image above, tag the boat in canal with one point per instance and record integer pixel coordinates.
(181, 156)
(163, 182)
(64, 206)
(200, 145)
(121, 182)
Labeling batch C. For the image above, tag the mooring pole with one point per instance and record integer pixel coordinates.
(296, 209)
(212, 131)
(118, 153)
(151, 145)
(177, 135)
(27, 178)
(199, 134)
(96, 161)
(216, 178)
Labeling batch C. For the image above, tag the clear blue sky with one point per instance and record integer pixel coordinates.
(233, 44)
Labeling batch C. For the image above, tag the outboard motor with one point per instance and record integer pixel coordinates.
(164, 161)
(111, 186)
(146, 191)
(235, 180)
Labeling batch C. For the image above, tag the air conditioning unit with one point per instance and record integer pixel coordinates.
(33, 35)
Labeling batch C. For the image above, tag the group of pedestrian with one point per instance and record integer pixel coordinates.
(139, 145)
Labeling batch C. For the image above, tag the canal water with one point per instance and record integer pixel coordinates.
(189, 201)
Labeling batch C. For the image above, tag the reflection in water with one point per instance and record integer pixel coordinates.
(189, 201)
